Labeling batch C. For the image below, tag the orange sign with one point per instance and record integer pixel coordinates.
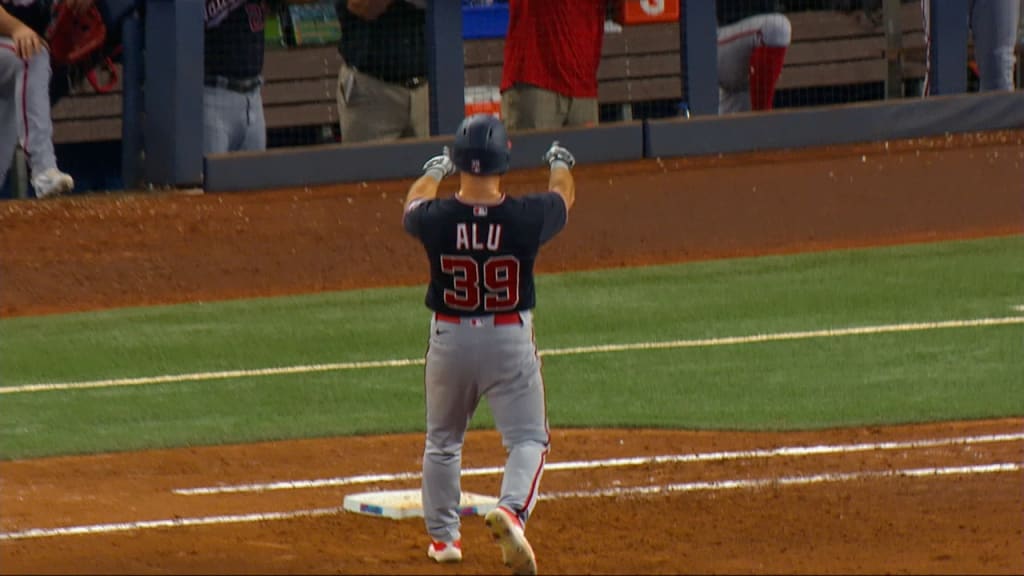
(493, 108)
(631, 12)
(483, 100)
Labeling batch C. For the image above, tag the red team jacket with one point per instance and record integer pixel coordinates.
(554, 45)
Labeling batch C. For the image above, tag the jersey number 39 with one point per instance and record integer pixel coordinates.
(497, 288)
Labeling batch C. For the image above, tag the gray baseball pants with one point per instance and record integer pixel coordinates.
(233, 121)
(25, 109)
(466, 362)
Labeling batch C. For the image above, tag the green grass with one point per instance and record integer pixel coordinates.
(960, 373)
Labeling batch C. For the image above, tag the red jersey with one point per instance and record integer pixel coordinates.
(554, 45)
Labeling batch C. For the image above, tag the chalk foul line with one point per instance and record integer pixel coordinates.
(572, 351)
(637, 491)
(784, 451)
(786, 481)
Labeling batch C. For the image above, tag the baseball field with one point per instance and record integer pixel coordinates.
(792, 362)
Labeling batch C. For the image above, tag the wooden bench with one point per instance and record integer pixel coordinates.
(299, 91)
(829, 48)
(87, 116)
(301, 87)
(837, 49)
(639, 64)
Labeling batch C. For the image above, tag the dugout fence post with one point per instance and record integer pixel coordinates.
(947, 40)
(893, 48)
(173, 99)
(131, 102)
(698, 42)
(445, 66)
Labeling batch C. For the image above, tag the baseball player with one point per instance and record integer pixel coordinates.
(24, 57)
(233, 66)
(752, 40)
(482, 245)
(994, 28)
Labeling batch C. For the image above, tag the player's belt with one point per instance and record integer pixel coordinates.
(234, 84)
(506, 319)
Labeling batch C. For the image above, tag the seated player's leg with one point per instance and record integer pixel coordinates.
(735, 44)
(36, 128)
(10, 68)
(750, 57)
(767, 58)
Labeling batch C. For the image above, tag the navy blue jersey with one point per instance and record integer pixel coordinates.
(481, 257)
(730, 11)
(234, 38)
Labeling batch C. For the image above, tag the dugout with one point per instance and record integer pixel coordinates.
(116, 142)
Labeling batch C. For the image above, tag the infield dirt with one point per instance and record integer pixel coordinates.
(103, 251)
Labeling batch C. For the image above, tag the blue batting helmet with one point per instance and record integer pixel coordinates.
(482, 147)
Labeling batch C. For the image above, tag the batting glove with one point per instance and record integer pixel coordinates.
(557, 156)
(439, 166)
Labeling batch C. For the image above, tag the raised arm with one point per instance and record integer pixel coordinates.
(425, 187)
(561, 180)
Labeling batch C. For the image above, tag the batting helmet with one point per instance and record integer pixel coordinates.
(482, 147)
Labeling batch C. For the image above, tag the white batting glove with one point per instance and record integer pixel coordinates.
(557, 156)
(439, 166)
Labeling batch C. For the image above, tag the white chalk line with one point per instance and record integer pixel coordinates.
(786, 481)
(785, 451)
(572, 351)
(172, 523)
(603, 493)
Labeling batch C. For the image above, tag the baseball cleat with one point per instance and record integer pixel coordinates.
(52, 182)
(445, 552)
(508, 533)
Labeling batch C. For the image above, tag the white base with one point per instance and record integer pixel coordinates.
(409, 504)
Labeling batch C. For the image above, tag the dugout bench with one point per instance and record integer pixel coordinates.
(299, 91)
(640, 64)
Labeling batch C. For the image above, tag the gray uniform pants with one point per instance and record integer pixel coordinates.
(25, 109)
(233, 121)
(8, 89)
(467, 362)
(994, 29)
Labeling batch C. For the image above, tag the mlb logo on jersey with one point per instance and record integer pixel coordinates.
(475, 166)
(480, 211)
